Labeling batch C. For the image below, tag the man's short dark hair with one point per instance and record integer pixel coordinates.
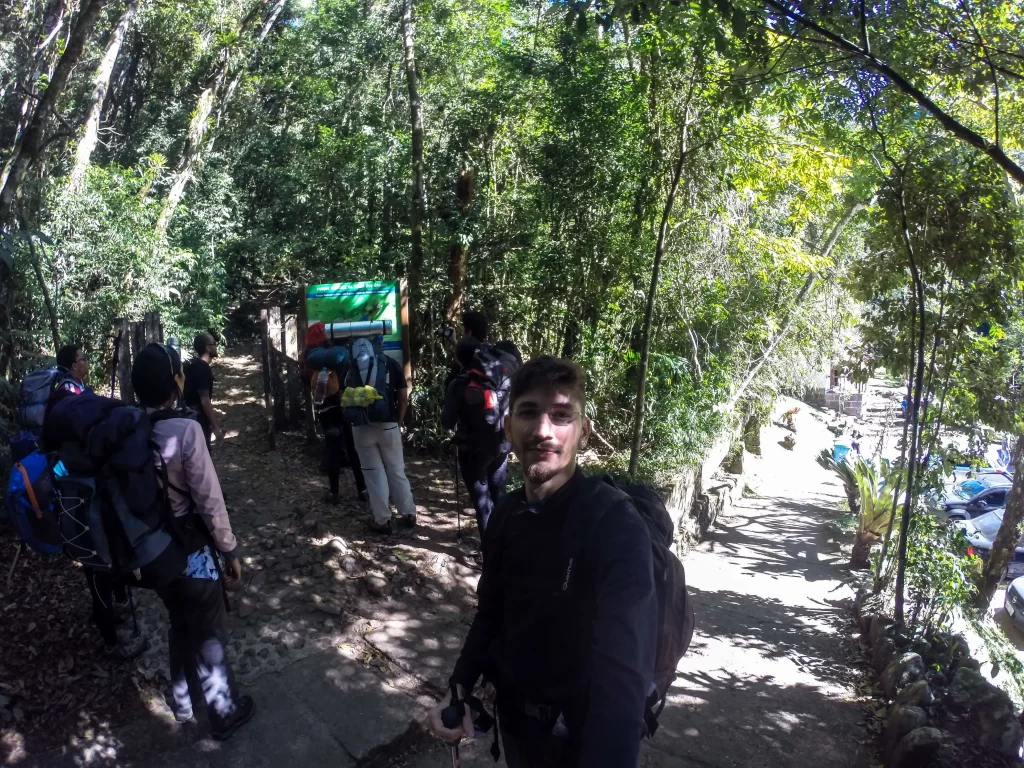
(465, 351)
(475, 322)
(153, 374)
(202, 341)
(550, 374)
(68, 355)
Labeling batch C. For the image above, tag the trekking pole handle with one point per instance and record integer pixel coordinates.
(453, 714)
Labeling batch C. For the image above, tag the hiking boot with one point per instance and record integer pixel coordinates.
(185, 716)
(364, 496)
(244, 711)
(407, 521)
(332, 499)
(376, 527)
(125, 649)
(121, 611)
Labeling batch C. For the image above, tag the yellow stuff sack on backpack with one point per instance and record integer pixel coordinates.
(361, 397)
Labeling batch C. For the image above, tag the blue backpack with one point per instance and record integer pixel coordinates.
(30, 502)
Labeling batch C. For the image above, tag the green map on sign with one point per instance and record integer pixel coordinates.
(352, 302)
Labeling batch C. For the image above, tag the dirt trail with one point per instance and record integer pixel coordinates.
(362, 631)
(771, 677)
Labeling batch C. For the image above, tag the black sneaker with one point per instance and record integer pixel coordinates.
(379, 527)
(244, 711)
(125, 648)
(332, 499)
(364, 496)
(407, 521)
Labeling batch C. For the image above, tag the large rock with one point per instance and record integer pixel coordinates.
(901, 721)
(921, 748)
(987, 712)
(902, 672)
(882, 653)
(880, 627)
(917, 695)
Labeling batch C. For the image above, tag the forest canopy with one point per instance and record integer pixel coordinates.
(700, 198)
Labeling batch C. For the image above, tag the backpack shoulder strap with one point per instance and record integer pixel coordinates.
(598, 495)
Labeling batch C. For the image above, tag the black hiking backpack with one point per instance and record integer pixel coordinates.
(486, 397)
(112, 505)
(675, 611)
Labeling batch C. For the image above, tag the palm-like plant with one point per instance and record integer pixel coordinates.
(847, 474)
(870, 499)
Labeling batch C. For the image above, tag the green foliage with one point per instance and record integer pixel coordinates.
(940, 575)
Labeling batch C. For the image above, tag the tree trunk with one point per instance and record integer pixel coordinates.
(652, 292)
(915, 433)
(100, 83)
(860, 558)
(39, 64)
(32, 144)
(458, 252)
(416, 119)
(852, 210)
(213, 91)
(1009, 532)
(47, 300)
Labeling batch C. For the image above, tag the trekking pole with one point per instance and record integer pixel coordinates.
(117, 360)
(458, 504)
(452, 717)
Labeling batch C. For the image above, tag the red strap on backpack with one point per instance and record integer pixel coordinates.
(29, 491)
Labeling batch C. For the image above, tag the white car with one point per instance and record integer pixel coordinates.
(981, 532)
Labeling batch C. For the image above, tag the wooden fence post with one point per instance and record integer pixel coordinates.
(267, 396)
(293, 380)
(276, 364)
(138, 335)
(124, 360)
(302, 325)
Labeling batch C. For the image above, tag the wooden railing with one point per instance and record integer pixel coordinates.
(285, 395)
(131, 337)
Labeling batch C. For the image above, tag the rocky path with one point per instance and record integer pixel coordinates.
(344, 639)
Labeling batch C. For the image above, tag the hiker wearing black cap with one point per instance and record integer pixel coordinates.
(199, 385)
(566, 635)
(195, 602)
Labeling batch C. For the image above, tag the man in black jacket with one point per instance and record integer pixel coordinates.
(569, 645)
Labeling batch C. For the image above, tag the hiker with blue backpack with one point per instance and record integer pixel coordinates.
(582, 613)
(141, 500)
(374, 400)
(475, 405)
(74, 367)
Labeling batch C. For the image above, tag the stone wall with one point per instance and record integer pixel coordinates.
(700, 494)
(939, 706)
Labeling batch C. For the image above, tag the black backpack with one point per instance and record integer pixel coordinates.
(486, 395)
(112, 506)
(675, 611)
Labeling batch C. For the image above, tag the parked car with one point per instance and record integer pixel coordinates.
(981, 532)
(975, 496)
(1014, 601)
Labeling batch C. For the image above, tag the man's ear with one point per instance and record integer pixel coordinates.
(585, 431)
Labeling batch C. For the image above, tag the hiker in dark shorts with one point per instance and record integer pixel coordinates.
(572, 676)
(483, 454)
(198, 394)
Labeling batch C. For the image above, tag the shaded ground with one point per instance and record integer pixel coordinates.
(361, 632)
(316, 585)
